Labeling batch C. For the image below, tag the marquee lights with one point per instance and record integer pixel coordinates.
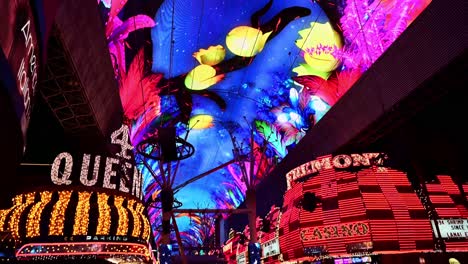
(104, 221)
(146, 226)
(136, 219)
(441, 199)
(17, 201)
(63, 177)
(3, 215)
(82, 248)
(123, 216)
(25, 207)
(15, 216)
(137, 183)
(57, 220)
(82, 214)
(34, 216)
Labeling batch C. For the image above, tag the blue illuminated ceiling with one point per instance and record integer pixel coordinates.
(250, 91)
(271, 68)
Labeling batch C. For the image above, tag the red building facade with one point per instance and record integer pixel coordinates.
(359, 208)
(448, 205)
(350, 209)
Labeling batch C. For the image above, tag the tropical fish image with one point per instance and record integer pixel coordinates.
(246, 41)
(202, 77)
(211, 56)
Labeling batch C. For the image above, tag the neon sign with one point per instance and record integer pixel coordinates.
(82, 248)
(121, 161)
(19, 44)
(27, 73)
(339, 162)
(334, 231)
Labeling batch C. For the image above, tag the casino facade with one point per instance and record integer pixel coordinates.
(82, 215)
(353, 209)
(77, 223)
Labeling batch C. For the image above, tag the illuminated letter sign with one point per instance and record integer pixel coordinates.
(342, 161)
(334, 231)
(27, 73)
(339, 162)
(109, 173)
(112, 164)
(58, 177)
(84, 170)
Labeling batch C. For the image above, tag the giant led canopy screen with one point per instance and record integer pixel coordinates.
(241, 81)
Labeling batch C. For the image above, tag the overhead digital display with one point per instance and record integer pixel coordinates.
(222, 71)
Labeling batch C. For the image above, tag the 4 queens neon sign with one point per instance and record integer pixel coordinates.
(339, 161)
(129, 183)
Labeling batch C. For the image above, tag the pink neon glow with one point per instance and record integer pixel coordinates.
(132, 249)
(139, 95)
(138, 90)
(329, 90)
(370, 29)
(117, 31)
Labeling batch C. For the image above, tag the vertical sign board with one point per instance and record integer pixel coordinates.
(18, 42)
